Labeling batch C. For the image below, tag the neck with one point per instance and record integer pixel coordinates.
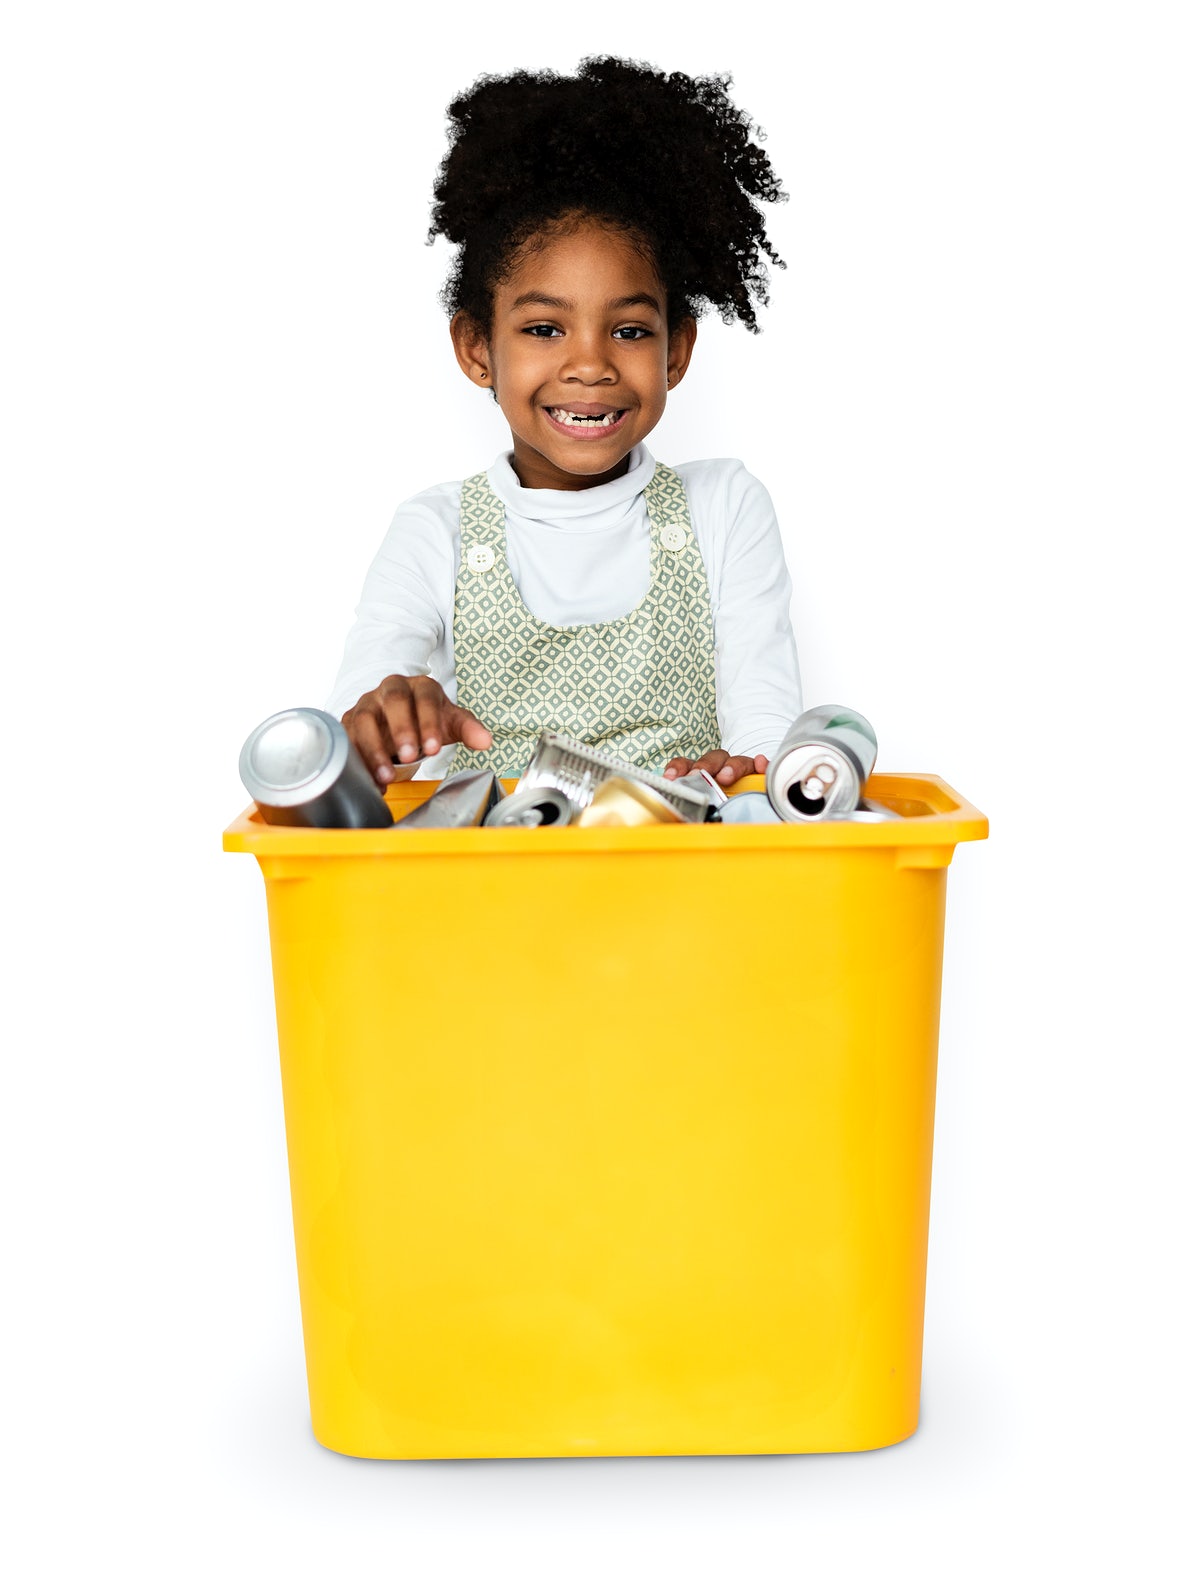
(534, 471)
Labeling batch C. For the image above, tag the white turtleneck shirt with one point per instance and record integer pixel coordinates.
(578, 558)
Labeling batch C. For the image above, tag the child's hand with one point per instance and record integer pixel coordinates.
(409, 716)
(726, 770)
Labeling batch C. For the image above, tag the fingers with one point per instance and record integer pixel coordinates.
(431, 708)
(463, 726)
(716, 764)
(720, 766)
(382, 725)
(398, 702)
(726, 770)
(440, 721)
(737, 768)
(406, 717)
(677, 766)
(364, 728)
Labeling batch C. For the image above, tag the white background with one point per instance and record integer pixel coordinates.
(974, 402)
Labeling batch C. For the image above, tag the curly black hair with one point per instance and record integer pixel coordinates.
(663, 157)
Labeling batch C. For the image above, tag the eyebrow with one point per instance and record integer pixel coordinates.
(539, 299)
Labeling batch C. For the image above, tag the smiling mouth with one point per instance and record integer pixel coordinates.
(597, 420)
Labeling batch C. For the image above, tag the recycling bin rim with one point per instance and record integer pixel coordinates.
(934, 819)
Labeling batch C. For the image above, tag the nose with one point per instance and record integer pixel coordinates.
(589, 359)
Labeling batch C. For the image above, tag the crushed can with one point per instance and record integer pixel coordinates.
(461, 801)
(578, 770)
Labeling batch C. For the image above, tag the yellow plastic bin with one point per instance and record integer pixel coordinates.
(611, 1141)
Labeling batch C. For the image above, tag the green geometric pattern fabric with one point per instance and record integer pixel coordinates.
(643, 688)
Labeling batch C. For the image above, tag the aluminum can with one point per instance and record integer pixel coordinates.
(537, 807)
(577, 770)
(461, 801)
(822, 764)
(304, 772)
(624, 803)
(750, 806)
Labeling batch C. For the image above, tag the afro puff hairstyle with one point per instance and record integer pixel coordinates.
(663, 157)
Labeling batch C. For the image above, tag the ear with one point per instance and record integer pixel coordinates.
(471, 349)
(679, 351)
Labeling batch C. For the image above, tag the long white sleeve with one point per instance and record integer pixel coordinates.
(579, 558)
(404, 621)
(758, 673)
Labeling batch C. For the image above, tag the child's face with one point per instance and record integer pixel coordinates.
(579, 356)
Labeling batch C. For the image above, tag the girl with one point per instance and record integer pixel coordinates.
(577, 585)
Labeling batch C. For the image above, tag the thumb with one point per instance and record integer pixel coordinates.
(462, 725)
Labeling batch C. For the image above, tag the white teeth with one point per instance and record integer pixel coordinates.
(560, 414)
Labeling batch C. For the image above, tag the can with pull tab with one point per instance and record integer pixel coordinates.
(539, 806)
(822, 764)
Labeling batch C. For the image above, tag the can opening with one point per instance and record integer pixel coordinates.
(547, 813)
(803, 803)
(541, 813)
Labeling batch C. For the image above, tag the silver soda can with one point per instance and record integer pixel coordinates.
(304, 772)
(539, 807)
(822, 764)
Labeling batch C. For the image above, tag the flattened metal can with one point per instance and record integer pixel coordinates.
(577, 770)
(461, 801)
(304, 772)
(822, 764)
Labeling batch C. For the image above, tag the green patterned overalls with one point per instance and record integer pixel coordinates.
(642, 688)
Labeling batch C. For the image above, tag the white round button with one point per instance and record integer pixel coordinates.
(480, 557)
(673, 537)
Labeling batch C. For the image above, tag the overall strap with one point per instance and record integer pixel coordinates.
(642, 687)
